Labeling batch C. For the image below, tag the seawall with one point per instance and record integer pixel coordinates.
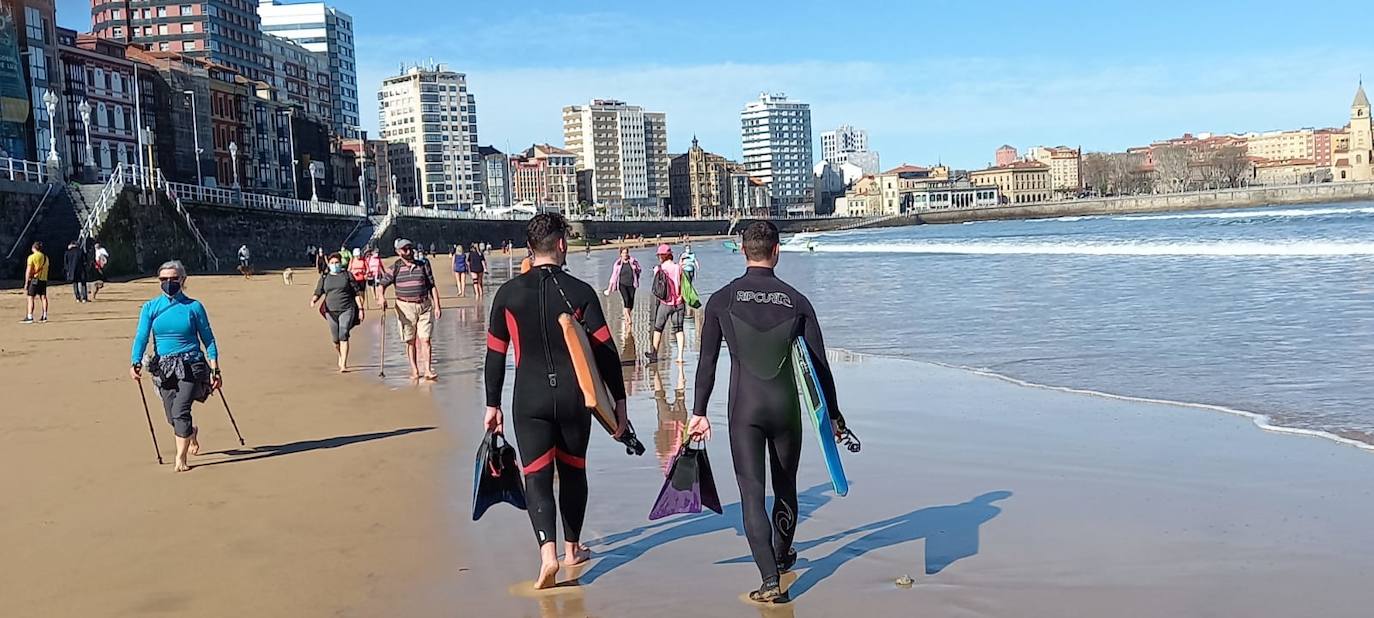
(1248, 197)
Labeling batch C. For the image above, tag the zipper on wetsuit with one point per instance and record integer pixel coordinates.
(544, 330)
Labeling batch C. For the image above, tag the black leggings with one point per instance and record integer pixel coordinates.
(551, 435)
(341, 324)
(767, 426)
(627, 296)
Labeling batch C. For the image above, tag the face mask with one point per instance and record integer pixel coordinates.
(171, 288)
(336, 268)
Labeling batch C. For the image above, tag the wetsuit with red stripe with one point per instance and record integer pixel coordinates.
(552, 423)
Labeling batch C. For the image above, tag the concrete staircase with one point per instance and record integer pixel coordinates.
(367, 232)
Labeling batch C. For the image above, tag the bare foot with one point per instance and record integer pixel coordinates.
(576, 554)
(548, 575)
(431, 376)
(195, 441)
(180, 466)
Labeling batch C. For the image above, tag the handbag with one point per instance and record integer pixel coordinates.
(496, 478)
(689, 486)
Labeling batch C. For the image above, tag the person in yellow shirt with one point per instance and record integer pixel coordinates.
(36, 282)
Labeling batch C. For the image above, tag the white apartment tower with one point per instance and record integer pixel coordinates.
(625, 148)
(328, 33)
(430, 120)
(776, 135)
(848, 144)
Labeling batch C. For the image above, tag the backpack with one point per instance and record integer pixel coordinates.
(660, 289)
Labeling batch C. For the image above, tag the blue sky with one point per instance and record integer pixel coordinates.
(931, 81)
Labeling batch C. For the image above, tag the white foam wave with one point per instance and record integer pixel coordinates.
(1214, 249)
(1251, 214)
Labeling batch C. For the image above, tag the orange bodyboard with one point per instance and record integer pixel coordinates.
(595, 395)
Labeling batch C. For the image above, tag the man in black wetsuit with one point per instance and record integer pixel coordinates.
(760, 316)
(552, 423)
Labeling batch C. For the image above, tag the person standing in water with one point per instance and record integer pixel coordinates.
(671, 308)
(477, 265)
(460, 269)
(759, 317)
(181, 370)
(625, 277)
(344, 300)
(552, 425)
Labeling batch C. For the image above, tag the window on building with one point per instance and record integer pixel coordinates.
(162, 11)
(118, 32)
(33, 23)
(162, 29)
(189, 46)
(38, 66)
(188, 28)
(187, 10)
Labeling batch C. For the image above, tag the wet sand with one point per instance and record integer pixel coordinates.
(995, 498)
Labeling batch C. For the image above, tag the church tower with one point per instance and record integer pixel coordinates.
(1361, 138)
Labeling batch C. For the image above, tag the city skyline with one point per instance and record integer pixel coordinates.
(1052, 74)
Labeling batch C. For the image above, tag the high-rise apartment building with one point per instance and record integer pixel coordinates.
(1006, 155)
(1282, 145)
(776, 135)
(226, 32)
(430, 119)
(495, 177)
(546, 177)
(848, 144)
(327, 32)
(625, 148)
(299, 77)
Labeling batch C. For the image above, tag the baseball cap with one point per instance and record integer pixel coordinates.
(401, 242)
(664, 249)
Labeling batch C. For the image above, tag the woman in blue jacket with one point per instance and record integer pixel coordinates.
(182, 371)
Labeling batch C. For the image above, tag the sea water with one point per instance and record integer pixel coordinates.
(1267, 311)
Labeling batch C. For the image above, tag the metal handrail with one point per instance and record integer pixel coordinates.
(20, 238)
(241, 199)
(170, 189)
(109, 194)
(28, 171)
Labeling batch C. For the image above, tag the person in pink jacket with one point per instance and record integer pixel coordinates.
(625, 277)
(373, 262)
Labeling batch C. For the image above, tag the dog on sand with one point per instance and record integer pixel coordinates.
(288, 277)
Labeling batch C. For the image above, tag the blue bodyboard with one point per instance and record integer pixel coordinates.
(812, 399)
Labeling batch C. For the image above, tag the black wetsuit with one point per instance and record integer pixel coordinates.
(759, 317)
(552, 423)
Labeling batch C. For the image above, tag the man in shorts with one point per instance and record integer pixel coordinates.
(36, 282)
(417, 306)
(671, 308)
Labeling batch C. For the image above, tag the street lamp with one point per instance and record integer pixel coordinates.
(362, 176)
(234, 161)
(195, 134)
(291, 143)
(314, 194)
(50, 101)
(85, 110)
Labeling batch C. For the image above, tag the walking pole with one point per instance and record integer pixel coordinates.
(381, 360)
(148, 415)
(231, 415)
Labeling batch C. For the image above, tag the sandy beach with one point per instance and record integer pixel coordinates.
(353, 495)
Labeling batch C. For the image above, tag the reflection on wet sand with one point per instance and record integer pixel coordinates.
(672, 417)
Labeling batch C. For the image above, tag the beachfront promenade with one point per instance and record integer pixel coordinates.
(351, 497)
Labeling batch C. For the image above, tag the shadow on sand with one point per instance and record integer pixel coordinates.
(277, 450)
(667, 531)
(951, 533)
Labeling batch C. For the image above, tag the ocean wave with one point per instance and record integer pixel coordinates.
(1213, 249)
(1252, 214)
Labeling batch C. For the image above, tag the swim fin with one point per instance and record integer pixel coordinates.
(689, 486)
(496, 478)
